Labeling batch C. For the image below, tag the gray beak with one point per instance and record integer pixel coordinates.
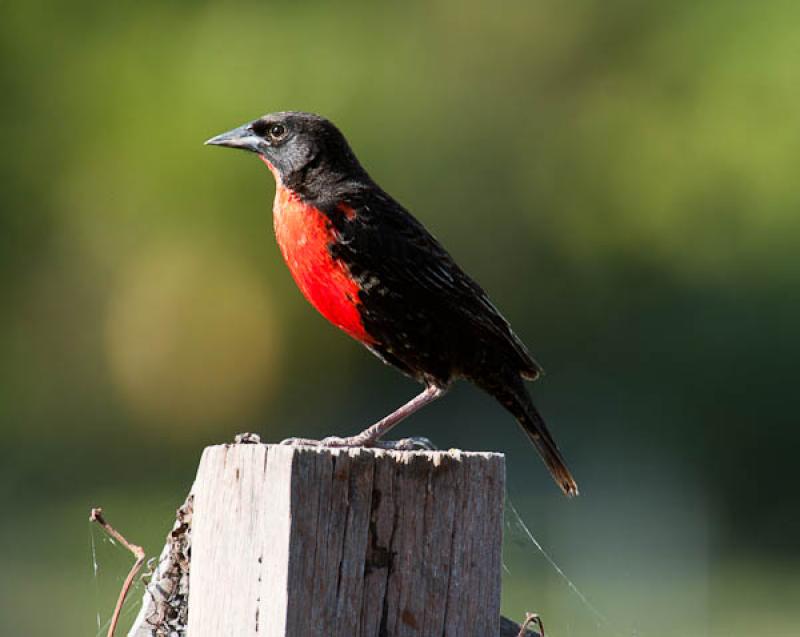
(242, 137)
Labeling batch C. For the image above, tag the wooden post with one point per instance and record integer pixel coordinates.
(295, 541)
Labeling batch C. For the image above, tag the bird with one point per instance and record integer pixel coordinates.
(374, 271)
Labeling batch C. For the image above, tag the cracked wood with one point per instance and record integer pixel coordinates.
(290, 541)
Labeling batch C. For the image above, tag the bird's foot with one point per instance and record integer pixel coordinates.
(415, 443)
(406, 444)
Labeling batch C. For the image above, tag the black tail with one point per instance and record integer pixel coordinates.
(533, 425)
(514, 397)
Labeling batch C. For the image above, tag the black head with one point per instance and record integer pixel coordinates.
(305, 151)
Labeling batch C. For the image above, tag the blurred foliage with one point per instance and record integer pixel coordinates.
(620, 175)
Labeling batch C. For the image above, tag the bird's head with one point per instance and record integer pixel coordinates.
(302, 150)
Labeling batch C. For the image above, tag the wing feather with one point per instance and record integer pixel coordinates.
(415, 277)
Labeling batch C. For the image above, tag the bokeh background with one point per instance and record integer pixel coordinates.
(621, 176)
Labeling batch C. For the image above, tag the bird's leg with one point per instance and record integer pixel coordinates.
(370, 437)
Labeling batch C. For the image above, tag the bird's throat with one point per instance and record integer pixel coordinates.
(272, 169)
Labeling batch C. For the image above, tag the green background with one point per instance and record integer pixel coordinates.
(621, 176)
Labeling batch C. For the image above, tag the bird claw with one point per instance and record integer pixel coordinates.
(416, 443)
(331, 441)
(335, 441)
(300, 442)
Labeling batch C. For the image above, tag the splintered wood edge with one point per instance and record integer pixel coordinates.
(403, 457)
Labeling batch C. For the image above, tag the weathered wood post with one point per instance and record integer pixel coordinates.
(301, 541)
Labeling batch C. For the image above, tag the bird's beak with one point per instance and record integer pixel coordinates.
(242, 137)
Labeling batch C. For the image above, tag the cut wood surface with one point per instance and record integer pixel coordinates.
(295, 541)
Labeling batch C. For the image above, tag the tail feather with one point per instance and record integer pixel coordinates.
(512, 394)
(509, 389)
(533, 425)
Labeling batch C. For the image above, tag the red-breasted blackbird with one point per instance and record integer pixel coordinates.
(372, 269)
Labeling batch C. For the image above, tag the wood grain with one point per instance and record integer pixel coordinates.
(295, 541)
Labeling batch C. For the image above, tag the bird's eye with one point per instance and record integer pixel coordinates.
(276, 131)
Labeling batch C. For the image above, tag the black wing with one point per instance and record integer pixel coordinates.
(423, 310)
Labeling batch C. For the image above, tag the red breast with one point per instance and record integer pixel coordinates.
(304, 235)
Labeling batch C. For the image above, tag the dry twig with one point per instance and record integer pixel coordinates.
(96, 515)
(531, 618)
